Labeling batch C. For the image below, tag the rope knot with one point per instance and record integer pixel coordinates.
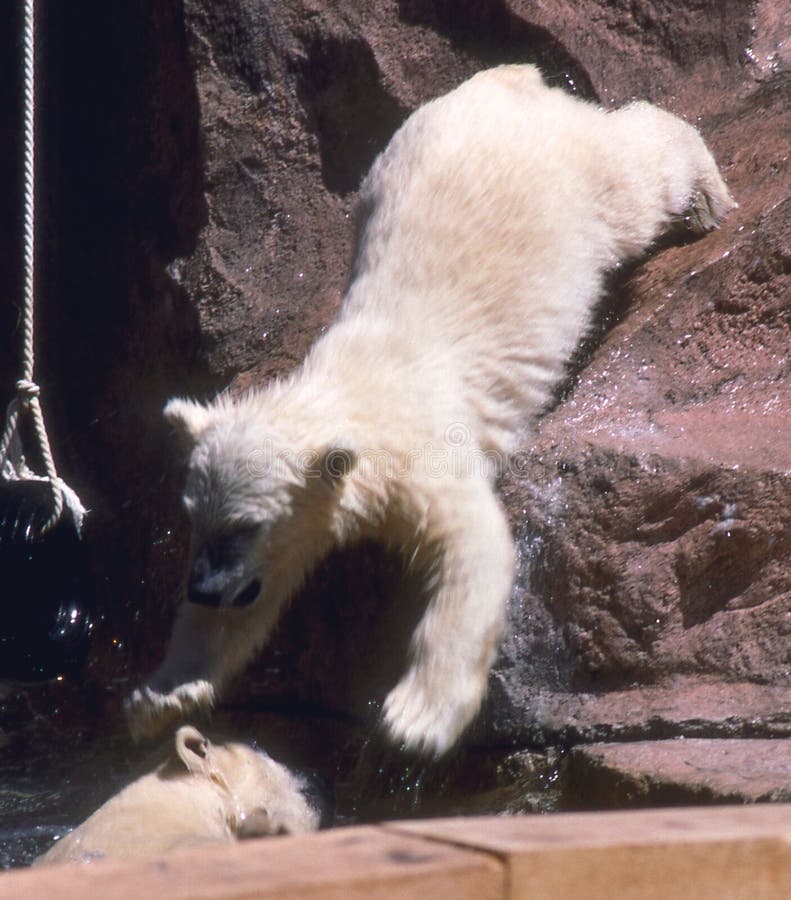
(27, 389)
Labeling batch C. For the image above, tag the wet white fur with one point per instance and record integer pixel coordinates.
(487, 226)
(204, 792)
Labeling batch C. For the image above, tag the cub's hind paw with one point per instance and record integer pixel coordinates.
(708, 207)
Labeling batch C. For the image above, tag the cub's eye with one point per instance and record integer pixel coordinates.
(242, 532)
(231, 546)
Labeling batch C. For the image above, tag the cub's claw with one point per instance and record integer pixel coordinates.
(149, 712)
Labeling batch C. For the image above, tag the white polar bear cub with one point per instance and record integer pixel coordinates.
(486, 227)
(202, 792)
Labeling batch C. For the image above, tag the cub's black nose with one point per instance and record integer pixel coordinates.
(202, 597)
(248, 595)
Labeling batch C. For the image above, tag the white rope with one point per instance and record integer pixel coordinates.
(12, 461)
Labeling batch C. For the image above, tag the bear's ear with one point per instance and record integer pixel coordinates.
(334, 463)
(188, 418)
(193, 749)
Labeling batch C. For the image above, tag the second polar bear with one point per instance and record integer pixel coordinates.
(203, 792)
(486, 228)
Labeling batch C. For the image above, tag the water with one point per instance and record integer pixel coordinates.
(55, 769)
(384, 783)
(60, 760)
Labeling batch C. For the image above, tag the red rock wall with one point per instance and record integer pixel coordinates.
(652, 511)
(206, 243)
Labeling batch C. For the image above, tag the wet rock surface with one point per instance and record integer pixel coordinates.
(200, 181)
(666, 773)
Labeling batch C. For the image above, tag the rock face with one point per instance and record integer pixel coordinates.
(200, 201)
(681, 772)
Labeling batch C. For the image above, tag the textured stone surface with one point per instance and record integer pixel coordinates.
(684, 706)
(200, 174)
(654, 514)
(680, 772)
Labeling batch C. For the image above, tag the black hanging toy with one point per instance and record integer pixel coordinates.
(43, 563)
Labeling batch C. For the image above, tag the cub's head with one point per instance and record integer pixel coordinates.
(259, 505)
(259, 795)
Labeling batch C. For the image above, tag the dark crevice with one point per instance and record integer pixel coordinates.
(348, 107)
(120, 196)
(491, 33)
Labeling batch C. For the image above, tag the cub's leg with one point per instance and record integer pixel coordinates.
(469, 554)
(667, 172)
(207, 648)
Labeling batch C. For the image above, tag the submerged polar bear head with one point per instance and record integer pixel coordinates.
(202, 792)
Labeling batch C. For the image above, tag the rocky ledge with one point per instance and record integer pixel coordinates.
(203, 185)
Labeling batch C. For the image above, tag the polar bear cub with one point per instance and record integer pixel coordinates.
(203, 792)
(486, 227)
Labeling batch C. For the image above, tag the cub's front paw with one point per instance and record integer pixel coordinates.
(148, 712)
(427, 716)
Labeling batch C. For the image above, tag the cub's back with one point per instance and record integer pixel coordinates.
(483, 199)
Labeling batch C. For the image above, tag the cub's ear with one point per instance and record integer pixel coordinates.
(193, 749)
(188, 418)
(333, 464)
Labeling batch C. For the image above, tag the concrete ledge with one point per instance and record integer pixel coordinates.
(722, 852)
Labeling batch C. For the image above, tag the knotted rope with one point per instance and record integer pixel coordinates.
(12, 461)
